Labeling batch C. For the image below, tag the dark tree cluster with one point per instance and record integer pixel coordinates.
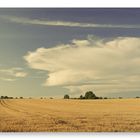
(66, 96)
(7, 97)
(88, 95)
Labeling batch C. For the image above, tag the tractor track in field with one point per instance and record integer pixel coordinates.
(5, 105)
(24, 111)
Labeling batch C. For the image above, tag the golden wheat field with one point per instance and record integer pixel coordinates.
(36, 115)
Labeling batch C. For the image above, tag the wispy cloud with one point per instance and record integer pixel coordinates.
(12, 74)
(8, 79)
(104, 65)
(47, 22)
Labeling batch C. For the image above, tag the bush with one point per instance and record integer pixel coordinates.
(81, 97)
(137, 97)
(2, 97)
(100, 97)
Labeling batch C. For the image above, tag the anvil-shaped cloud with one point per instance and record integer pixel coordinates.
(110, 64)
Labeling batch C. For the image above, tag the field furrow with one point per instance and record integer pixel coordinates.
(35, 115)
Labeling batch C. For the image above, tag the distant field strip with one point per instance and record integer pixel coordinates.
(46, 115)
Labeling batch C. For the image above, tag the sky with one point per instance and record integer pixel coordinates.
(50, 52)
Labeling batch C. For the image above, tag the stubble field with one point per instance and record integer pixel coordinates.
(46, 115)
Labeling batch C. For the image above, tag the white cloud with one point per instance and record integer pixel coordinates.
(11, 74)
(47, 22)
(8, 79)
(105, 65)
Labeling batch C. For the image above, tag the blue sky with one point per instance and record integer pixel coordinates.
(47, 73)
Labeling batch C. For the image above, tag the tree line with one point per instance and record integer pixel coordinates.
(90, 95)
(7, 97)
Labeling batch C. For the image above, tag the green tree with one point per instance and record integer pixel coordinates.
(66, 96)
(90, 95)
